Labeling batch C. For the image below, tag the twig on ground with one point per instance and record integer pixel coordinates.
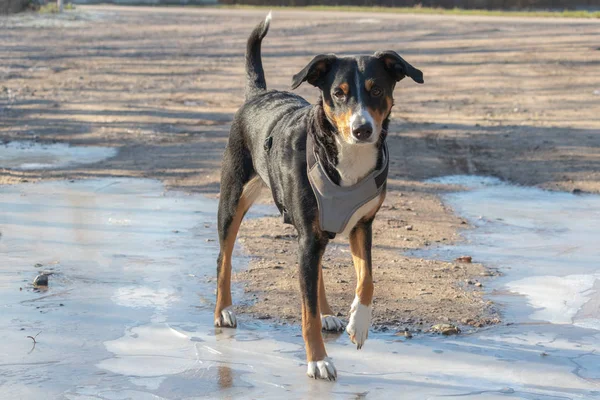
(34, 341)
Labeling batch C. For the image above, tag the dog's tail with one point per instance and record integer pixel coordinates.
(255, 75)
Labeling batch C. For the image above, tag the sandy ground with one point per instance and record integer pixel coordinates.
(518, 99)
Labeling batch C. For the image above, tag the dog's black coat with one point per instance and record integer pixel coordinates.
(268, 139)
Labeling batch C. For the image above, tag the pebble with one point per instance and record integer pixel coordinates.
(40, 280)
(408, 227)
(446, 329)
(479, 284)
(465, 259)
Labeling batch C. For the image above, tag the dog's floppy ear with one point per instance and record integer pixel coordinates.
(314, 72)
(398, 67)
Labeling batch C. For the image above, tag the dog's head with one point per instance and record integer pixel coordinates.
(357, 91)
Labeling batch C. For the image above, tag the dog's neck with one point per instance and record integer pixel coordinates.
(346, 164)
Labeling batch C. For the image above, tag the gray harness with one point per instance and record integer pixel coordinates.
(336, 203)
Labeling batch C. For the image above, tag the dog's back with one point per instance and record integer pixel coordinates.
(278, 115)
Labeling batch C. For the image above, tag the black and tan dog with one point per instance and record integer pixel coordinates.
(267, 148)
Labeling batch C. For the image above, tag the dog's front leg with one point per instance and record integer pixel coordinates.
(360, 311)
(311, 249)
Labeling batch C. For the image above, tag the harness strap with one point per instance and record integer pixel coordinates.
(321, 184)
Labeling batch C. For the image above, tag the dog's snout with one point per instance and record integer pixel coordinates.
(363, 131)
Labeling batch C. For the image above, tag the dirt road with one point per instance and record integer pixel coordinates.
(518, 99)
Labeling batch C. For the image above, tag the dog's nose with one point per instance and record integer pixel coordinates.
(363, 132)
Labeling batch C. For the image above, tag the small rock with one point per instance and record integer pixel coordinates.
(408, 227)
(446, 329)
(41, 280)
(486, 273)
(576, 191)
(468, 281)
(465, 259)
(407, 334)
(479, 284)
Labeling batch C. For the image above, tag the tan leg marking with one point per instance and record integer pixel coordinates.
(251, 191)
(361, 256)
(311, 332)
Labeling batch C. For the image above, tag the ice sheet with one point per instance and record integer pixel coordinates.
(128, 314)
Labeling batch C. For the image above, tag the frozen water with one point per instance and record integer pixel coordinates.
(128, 313)
(32, 155)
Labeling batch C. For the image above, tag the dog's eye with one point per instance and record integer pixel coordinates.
(376, 91)
(338, 93)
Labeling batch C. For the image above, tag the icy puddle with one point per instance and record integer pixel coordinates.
(31, 155)
(128, 313)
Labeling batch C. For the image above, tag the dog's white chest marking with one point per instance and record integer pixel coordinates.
(354, 163)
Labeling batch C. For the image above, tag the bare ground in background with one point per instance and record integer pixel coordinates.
(518, 99)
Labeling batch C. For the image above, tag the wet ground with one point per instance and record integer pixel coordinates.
(508, 97)
(128, 311)
(28, 155)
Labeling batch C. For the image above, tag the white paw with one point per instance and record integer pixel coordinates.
(226, 319)
(331, 323)
(360, 320)
(323, 369)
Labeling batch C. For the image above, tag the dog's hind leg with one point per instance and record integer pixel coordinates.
(328, 320)
(311, 249)
(239, 189)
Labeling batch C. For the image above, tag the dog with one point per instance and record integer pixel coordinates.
(267, 148)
